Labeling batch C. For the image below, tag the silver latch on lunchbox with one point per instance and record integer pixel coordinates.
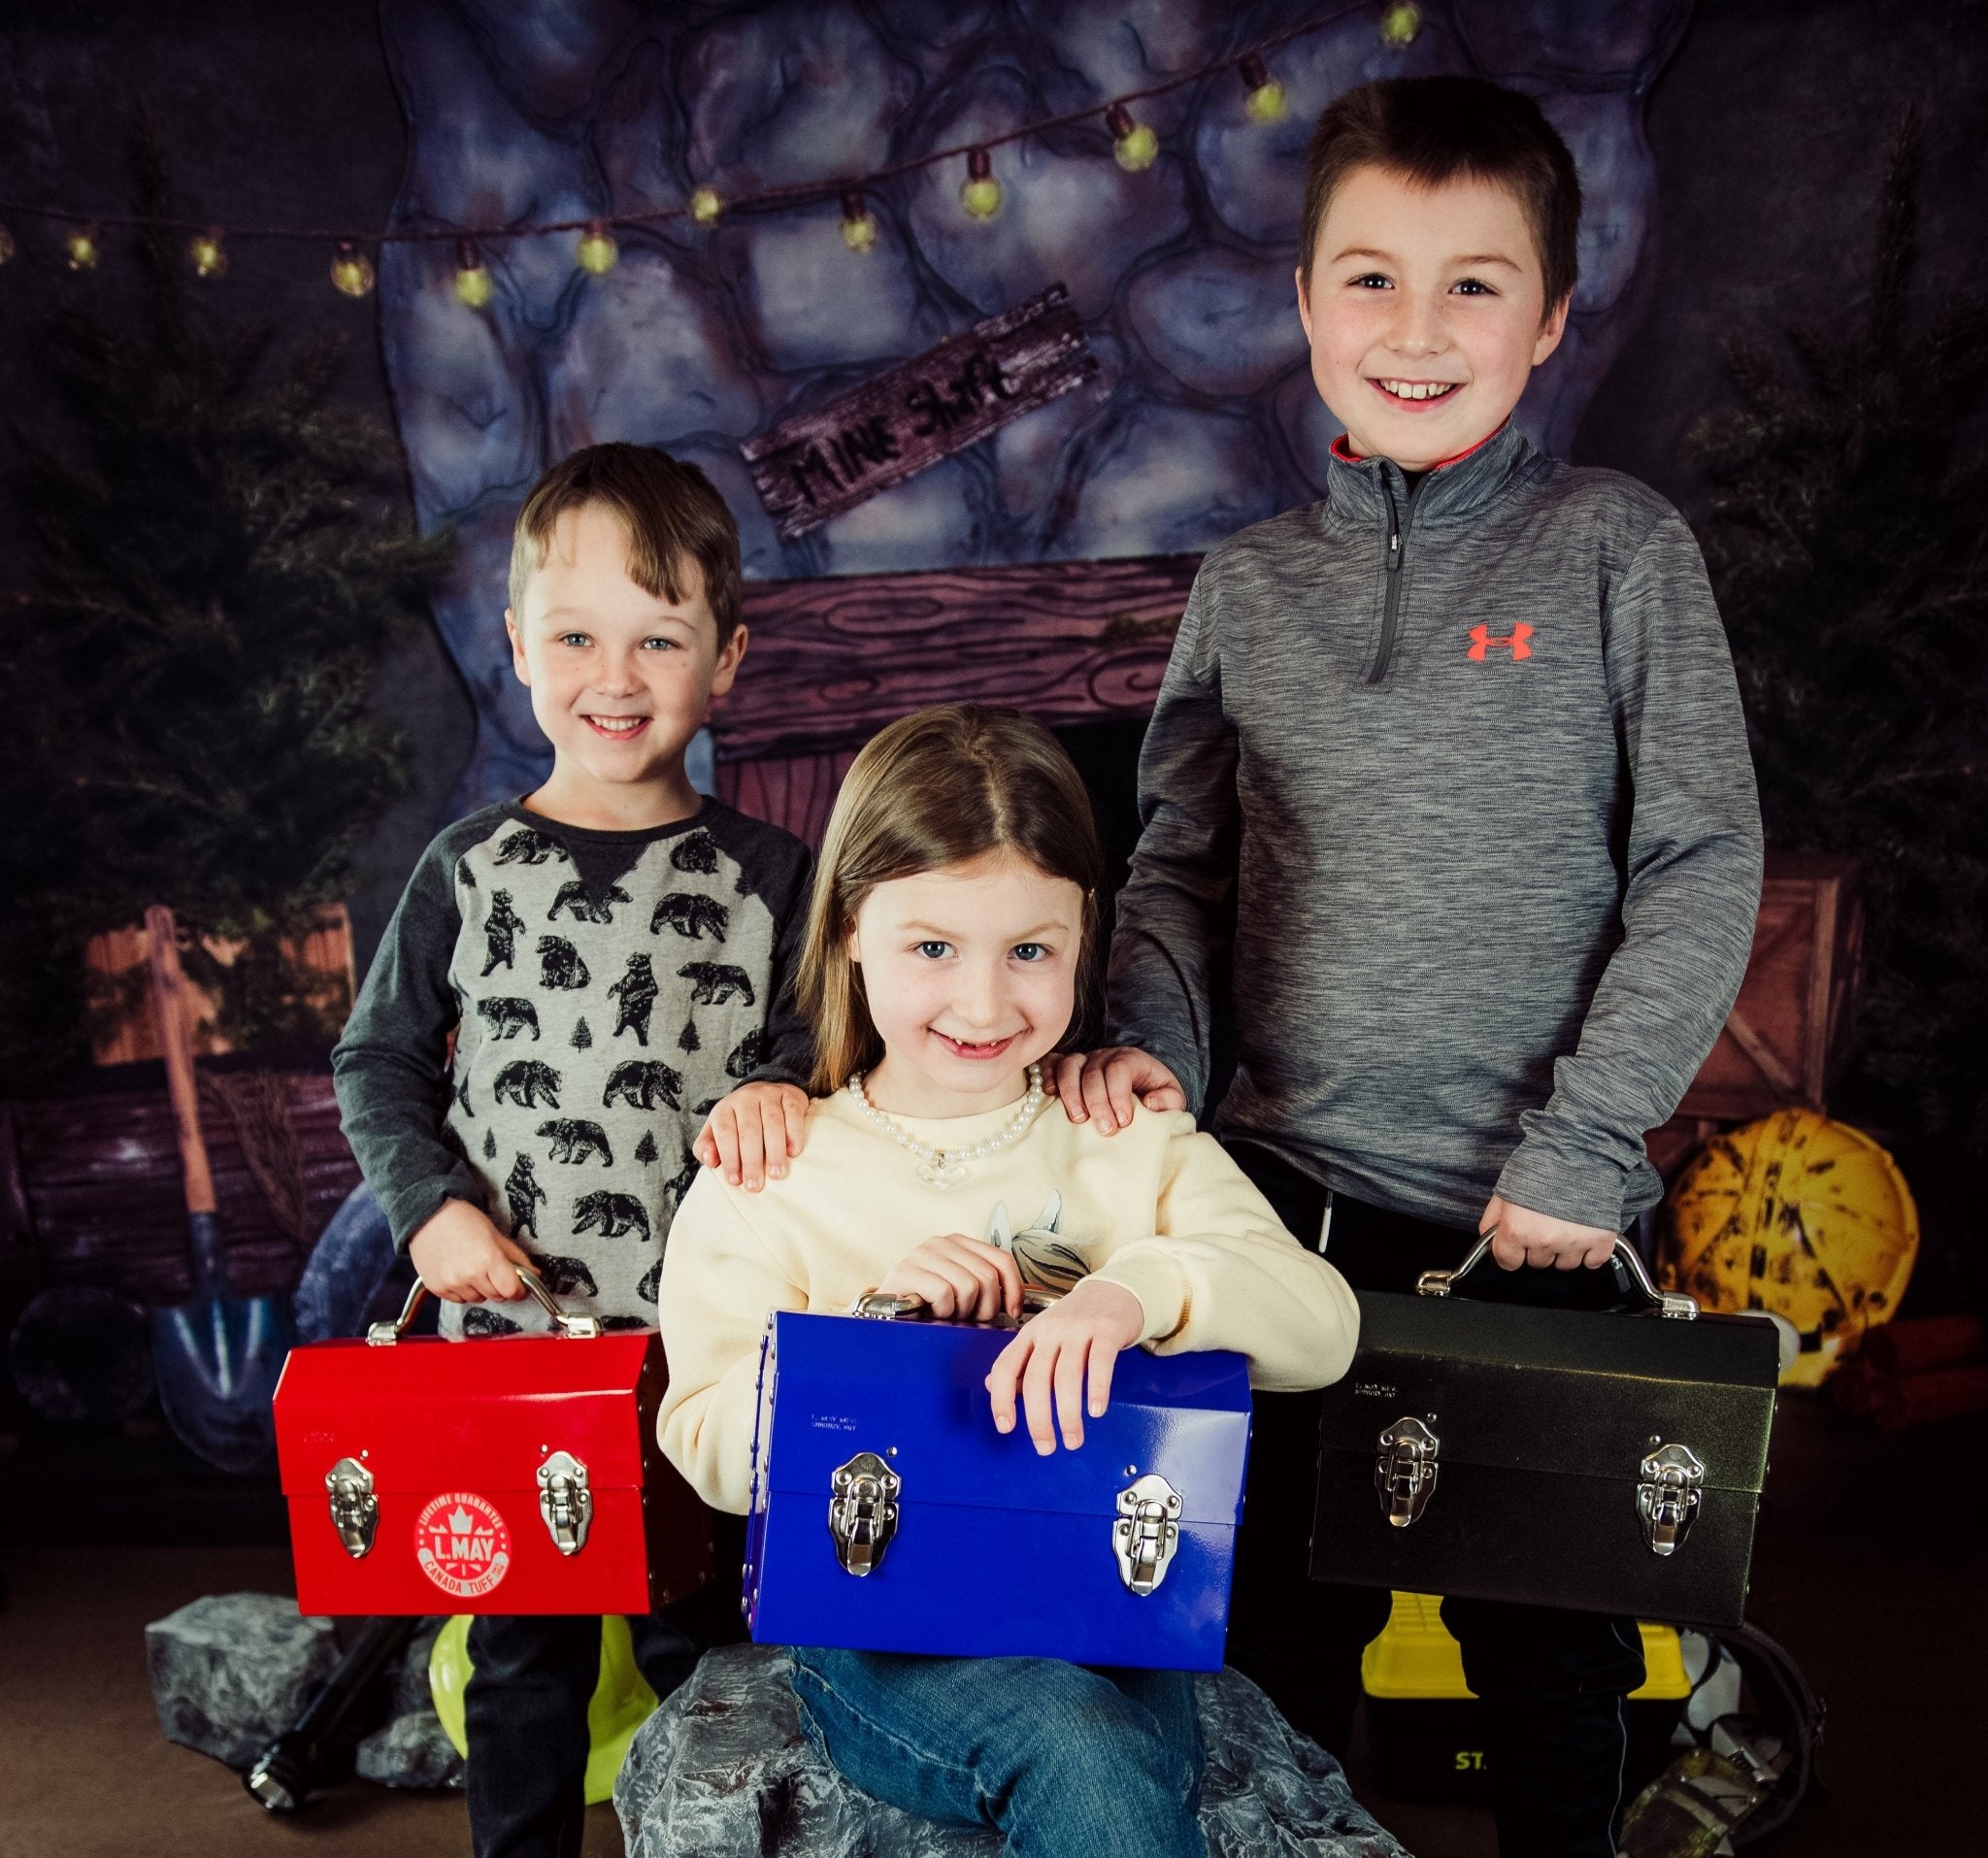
(862, 1512)
(1405, 1469)
(354, 1509)
(1667, 1496)
(1148, 1532)
(564, 1502)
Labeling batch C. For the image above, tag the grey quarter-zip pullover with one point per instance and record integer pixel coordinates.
(1448, 784)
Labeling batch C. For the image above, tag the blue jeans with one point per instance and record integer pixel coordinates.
(1064, 1761)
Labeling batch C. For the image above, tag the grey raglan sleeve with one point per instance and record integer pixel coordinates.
(391, 1065)
(1175, 913)
(789, 1044)
(1693, 886)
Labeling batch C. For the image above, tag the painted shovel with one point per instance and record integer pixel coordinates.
(218, 1356)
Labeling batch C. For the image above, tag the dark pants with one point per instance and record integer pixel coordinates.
(1553, 1682)
(525, 1705)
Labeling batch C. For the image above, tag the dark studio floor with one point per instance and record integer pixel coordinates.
(1865, 1569)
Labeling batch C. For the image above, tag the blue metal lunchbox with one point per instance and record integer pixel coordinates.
(889, 1515)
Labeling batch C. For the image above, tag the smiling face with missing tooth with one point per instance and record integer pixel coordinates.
(1426, 313)
(970, 977)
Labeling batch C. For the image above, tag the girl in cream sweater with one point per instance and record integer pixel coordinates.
(952, 928)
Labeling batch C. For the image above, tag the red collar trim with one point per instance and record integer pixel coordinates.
(1345, 455)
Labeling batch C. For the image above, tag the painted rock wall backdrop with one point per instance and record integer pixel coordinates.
(1198, 415)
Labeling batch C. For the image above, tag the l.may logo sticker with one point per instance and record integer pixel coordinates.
(462, 1544)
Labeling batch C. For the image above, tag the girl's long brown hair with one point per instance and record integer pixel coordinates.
(937, 788)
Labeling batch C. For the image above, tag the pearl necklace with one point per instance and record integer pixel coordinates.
(948, 1167)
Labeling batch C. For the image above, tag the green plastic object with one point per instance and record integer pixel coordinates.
(622, 1701)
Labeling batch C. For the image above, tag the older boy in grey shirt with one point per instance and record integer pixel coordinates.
(1448, 784)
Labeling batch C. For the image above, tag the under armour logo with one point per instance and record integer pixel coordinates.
(1514, 641)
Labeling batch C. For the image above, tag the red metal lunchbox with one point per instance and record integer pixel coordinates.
(509, 1474)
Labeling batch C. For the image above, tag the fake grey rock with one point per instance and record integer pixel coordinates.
(231, 1670)
(411, 1748)
(724, 1770)
(1268, 1792)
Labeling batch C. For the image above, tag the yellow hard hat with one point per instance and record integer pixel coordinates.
(622, 1701)
(1801, 1217)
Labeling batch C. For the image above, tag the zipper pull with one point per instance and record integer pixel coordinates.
(1394, 551)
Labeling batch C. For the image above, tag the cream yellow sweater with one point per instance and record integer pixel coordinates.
(1157, 1208)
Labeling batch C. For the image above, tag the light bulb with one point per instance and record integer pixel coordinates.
(351, 271)
(205, 253)
(473, 286)
(706, 206)
(1133, 143)
(859, 223)
(1400, 22)
(6, 245)
(1267, 102)
(597, 251)
(980, 196)
(80, 242)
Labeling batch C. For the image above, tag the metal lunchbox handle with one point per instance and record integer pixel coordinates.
(1666, 1303)
(908, 1307)
(584, 1328)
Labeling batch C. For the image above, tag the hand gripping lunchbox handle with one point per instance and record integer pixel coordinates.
(1666, 1303)
(908, 1307)
(385, 1334)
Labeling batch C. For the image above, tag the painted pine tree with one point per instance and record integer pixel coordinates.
(1849, 543)
(216, 558)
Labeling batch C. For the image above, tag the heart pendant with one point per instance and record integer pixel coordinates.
(940, 1172)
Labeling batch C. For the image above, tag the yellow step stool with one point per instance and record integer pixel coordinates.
(1425, 1724)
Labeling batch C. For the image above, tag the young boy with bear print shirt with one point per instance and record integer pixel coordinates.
(611, 957)
(606, 990)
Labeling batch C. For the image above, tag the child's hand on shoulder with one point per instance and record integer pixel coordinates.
(1529, 1238)
(958, 1277)
(1103, 1085)
(462, 1257)
(753, 1133)
(1075, 1340)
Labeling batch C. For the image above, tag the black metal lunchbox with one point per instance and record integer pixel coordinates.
(1606, 1460)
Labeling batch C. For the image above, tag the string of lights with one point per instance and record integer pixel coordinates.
(1135, 146)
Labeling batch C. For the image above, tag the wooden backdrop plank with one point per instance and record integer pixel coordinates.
(837, 658)
(794, 791)
(99, 1176)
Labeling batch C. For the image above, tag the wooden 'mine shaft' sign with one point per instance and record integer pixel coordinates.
(818, 464)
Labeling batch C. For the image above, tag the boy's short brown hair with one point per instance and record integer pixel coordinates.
(1432, 130)
(673, 515)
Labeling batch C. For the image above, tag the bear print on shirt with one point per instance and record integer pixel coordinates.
(501, 926)
(642, 1083)
(637, 992)
(692, 917)
(575, 1125)
(585, 906)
